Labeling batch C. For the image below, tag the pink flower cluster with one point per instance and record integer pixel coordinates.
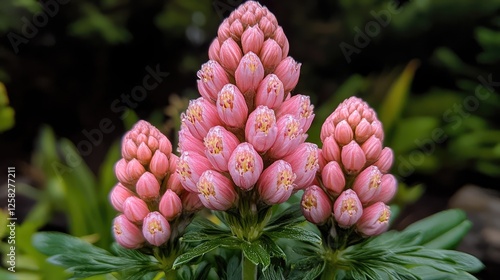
(247, 131)
(354, 183)
(147, 195)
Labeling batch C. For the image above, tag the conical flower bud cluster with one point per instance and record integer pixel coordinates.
(149, 195)
(354, 171)
(247, 131)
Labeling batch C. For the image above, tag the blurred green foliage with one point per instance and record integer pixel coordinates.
(6, 112)
(420, 72)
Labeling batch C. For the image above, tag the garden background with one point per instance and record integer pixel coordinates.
(77, 74)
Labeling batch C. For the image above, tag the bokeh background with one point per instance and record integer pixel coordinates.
(70, 68)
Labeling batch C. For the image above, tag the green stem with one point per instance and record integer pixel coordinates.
(249, 269)
(330, 266)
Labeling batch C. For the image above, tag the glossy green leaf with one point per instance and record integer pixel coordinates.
(436, 225)
(451, 238)
(256, 254)
(294, 233)
(84, 259)
(205, 247)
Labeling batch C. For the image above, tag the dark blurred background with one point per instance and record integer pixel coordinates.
(429, 68)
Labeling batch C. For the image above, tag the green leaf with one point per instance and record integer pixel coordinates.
(295, 233)
(272, 273)
(85, 260)
(233, 271)
(393, 104)
(256, 253)
(436, 225)
(271, 247)
(205, 247)
(291, 215)
(451, 238)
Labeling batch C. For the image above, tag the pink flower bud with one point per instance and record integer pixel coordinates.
(129, 149)
(126, 233)
(261, 129)
(231, 106)
(363, 131)
(353, 158)
(187, 142)
(211, 79)
(134, 170)
(191, 202)
(121, 173)
(249, 73)
(333, 178)
(159, 165)
(164, 145)
(236, 29)
(216, 191)
(288, 71)
(135, 209)
(375, 220)
(270, 92)
(367, 184)
(327, 128)
(230, 55)
(174, 184)
(156, 229)
(372, 148)
(347, 209)
(270, 54)
(170, 205)
(290, 136)
(321, 162)
(276, 183)
(331, 150)
(388, 188)
(219, 145)
(214, 49)
(190, 167)
(118, 195)
(280, 38)
(300, 107)
(199, 117)
(343, 133)
(267, 26)
(304, 162)
(378, 130)
(316, 206)
(224, 31)
(152, 143)
(245, 166)
(148, 187)
(385, 160)
(144, 154)
(248, 18)
(354, 119)
(252, 40)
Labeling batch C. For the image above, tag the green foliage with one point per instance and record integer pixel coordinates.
(421, 251)
(85, 260)
(6, 112)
